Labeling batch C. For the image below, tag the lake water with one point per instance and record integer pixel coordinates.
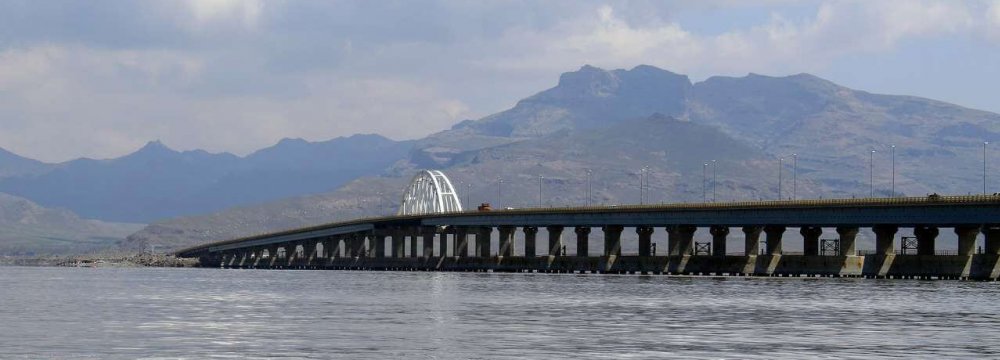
(205, 313)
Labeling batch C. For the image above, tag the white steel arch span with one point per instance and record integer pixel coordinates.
(429, 192)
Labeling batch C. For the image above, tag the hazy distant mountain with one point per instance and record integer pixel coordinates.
(14, 165)
(157, 182)
(616, 122)
(29, 229)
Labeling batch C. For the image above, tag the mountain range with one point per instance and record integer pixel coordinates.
(616, 125)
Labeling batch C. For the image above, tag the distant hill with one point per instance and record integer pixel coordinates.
(29, 229)
(612, 122)
(157, 182)
(14, 165)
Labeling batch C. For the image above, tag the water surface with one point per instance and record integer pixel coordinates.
(208, 313)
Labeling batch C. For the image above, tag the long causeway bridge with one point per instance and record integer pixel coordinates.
(456, 240)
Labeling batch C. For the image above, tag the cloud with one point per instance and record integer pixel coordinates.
(100, 79)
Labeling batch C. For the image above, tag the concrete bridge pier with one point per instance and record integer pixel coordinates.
(483, 241)
(428, 233)
(680, 239)
(443, 243)
(992, 239)
(848, 238)
(645, 240)
(719, 234)
(398, 244)
(926, 236)
(613, 240)
(555, 240)
(413, 235)
(460, 245)
(774, 234)
(582, 241)
(751, 237)
(885, 239)
(810, 239)
(530, 235)
(379, 240)
(967, 239)
(506, 246)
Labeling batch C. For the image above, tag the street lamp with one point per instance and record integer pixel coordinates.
(795, 175)
(642, 174)
(589, 188)
(871, 173)
(499, 193)
(984, 166)
(540, 190)
(713, 180)
(780, 161)
(468, 195)
(704, 183)
(892, 150)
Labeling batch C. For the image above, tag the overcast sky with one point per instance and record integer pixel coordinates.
(101, 78)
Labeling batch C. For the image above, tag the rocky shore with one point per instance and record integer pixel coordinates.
(102, 260)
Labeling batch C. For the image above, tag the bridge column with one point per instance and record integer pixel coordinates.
(848, 237)
(925, 239)
(460, 245)
(362, 245)
(506, 247)
(810, 239)
(992, 237)
(751, 238)
(398, 244)
(414, 236)
(530, 234)
(443, 243)
(483, 241)
(310, 250)
(719, 234)
(350, 246)
(613, 240)
(774, 234)
(967, 239)
(680, 239)
(555, 240)
(645, 240)
(272, 251)
(582, 240)
(429, 233)
(379, 242)
(885, 238)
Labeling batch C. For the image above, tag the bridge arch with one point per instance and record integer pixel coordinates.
(429, 192)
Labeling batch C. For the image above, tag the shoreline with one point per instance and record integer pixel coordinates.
(100, 260)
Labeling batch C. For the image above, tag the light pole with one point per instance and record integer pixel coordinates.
(892, 151)
(704, 182)
(539, 191)
(795, 175)
(499, 193)
(589, 188)
(642, 174)
(468, 194)
(871, 173)
(780, 161)
(713, 180)
(984, 166)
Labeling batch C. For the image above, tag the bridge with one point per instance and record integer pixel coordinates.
(444, 237)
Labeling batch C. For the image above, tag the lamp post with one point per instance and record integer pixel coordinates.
(871, 173)
(892, 150)
(704, 182)
(984, 166)
(713, 180)
(780, 161)
(795, 175)
(589, 188)
(468, 194)
(642, 174)
(499, 193)
(540, 191)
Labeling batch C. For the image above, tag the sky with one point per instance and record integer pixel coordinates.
(101, 78)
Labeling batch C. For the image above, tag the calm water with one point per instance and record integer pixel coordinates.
(204, 313)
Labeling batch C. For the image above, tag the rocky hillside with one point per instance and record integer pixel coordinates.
(616, 122)
(29, 229)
